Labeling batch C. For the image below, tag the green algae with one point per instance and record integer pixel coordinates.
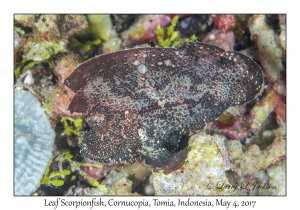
(69, 129)
(48, 178)
(168, 37)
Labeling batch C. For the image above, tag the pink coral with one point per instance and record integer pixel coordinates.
(150, 25)
(239, 130)
(224, 22)
(225, 40)
(236, 128)
(144, 29)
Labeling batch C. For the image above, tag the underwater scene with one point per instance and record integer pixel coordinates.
(168, 104)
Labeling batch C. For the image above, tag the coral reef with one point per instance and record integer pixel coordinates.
(231, 124)
(39, 80)
(224, 22)
(277, 177)
(254, 124)
(282, 36)
(52, 178)
(65, 166)
(50, 34)
(81, 190)
(272, 58)
(25, 20)
(45, 29)
(143, 31)
(260, 166)
(203, 171)
(18, 43)
(193, 24)
(169, 37)
(121, 22)
(97, 172)
(224, 40)
(101, 27)
(269, 51)
(122, 187)
(241, 26)
(136, 172)
(120, 182)
(33, 140)
(216, 166)
(153, 104)
(253, 159)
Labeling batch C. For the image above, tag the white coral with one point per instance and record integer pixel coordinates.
(33, 142)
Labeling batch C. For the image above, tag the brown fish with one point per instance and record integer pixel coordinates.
(143, 101)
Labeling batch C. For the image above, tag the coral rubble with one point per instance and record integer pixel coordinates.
(203, 171)
(120, 182)
(216, 166)
(260, 165)
(269, 49)
(49, 36)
